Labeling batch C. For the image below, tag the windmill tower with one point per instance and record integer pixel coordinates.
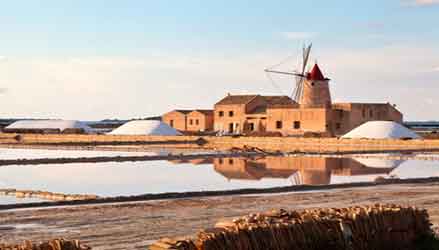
(312, 88)
(315, 89)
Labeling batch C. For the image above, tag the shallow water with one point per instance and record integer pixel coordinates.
(14, 200)
(10, 153)
(134, 178)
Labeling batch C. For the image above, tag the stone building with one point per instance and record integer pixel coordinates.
(177, 119)
(314, 113)
(245, 113)
(199, 120)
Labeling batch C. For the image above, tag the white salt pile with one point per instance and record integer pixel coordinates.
(146, 127)
(381, 130)
(49, 124)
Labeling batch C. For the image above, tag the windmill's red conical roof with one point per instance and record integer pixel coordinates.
(315, 74)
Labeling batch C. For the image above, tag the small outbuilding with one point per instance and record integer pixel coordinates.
(382, 130)
(48, 127)
(198, 120)
(145, 127)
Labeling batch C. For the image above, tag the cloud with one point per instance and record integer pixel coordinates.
(298, 35)
(140, 86)
(3, 90)
(418, 3)
(436, 69)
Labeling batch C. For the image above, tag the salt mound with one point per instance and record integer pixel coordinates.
(146, 127)
(49, 124)
(381, 130)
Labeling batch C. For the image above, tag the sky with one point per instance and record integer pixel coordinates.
(105, 59)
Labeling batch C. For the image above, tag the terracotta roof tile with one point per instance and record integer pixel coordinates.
(183, 111)
(236, 99)
(278, 100)
(205, 111)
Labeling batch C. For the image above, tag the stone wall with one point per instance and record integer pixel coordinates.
(347, 116)
(58, 244)
(321, 145)
(225, 115)
(376, 227)
(284, 144)
(305, 119)
(199, 121)
(69, 139)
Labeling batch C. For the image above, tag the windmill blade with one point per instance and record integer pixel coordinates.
(281, 62)
(298, 94)
(306, 52)
(281, 72)
(299, 83)
(273, 83)
(296, 89)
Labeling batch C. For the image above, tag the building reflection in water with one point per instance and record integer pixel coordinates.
(301, 170)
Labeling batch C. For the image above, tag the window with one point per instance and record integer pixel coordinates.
(171, 123)
(230, 113)
(338, 125)
(220, 161)
(190, 122)
(197, 122)
(296, 124)
(371, 113)
(364, 113)
(221, 113)
(251, 126)
(312, 83)
(278, 124)
(231, 161)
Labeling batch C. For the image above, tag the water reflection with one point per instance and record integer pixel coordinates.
(309, 170)
(205, 174)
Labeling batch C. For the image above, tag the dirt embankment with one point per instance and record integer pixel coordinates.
(136, 225)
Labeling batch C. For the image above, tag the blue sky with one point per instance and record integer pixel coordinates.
(106, 59)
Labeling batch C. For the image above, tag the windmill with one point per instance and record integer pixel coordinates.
(300, 75)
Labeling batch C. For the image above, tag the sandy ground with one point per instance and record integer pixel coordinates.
(135, 225)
